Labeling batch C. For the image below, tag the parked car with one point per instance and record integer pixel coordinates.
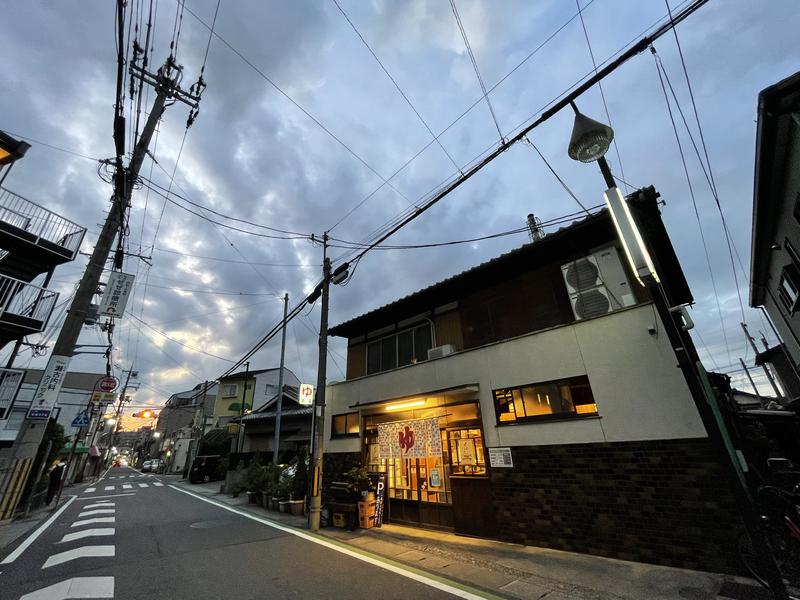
(147, 466)
(205, 469)
(158, 465)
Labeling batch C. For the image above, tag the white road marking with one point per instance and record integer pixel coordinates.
(158, 483)
(387, 564)
(24, 545)
(144, 484)
(92, 521)
(75, 553)
(107, 496)
(103, 504)
(100, 511)
(79, 535)
(89, 490)
(77, 587)
(126, 486)
(108, 488)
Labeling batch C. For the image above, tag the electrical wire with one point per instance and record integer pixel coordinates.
(475, 66)
(240, 262)
(529, 143)
(602, 93)
(696, 211)
(394, 82)
(172, 339)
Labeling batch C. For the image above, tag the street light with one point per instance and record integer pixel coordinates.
(111, 421)
(156, 434)
(11, 150)
(589, 142)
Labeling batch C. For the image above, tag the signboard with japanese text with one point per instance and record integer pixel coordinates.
(380, 499)
(103, 397)
(305, 396)
(46, 395)
(500, 458)
(419, 438)
(116, 294)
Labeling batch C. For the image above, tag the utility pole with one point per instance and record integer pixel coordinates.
(747, 372)
(315, 505)
(122, 398)
(280, 383)
(167, 88)
(240, 433)
(752, 342)
(196, 448)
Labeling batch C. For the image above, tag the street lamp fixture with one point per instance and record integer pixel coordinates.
(156, 434)
(111, 421)
(590, 139)
(589, 142)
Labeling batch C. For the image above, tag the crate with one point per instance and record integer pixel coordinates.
(339, 519)
(366, 521)
(366, 509)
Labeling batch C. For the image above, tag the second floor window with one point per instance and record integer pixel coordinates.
(345, 425)
(399, 349)
(229, 389)
(564, 398)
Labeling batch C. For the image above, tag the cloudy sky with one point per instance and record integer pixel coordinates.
(299, 124)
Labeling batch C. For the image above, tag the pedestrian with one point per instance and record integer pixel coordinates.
(56, 472)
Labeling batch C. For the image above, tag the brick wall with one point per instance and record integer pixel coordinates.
(666, 502)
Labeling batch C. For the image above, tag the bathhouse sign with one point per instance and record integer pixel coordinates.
(409, 439)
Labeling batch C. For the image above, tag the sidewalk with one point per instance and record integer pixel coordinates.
(515, 571)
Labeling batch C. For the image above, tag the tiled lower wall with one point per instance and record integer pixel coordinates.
(666, 502)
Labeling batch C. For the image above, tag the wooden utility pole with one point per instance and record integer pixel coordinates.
(315, 505)
(166, 87)
(279, 405)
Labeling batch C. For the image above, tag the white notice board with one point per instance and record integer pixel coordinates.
(500, 458)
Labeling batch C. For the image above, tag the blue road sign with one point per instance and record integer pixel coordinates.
(82, 419)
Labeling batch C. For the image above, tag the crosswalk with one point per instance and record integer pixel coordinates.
(123, 486)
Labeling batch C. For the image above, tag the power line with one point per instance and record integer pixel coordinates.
(696, 213)
(396, 85)
(600, 86)
(171, 339)
(475, 66)
(53, 146)
(528, 142)
(280, 90)
(230, 260)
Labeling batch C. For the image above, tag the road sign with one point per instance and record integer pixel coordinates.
(82, 419)
(116, 294)
(103, 397)
(306, 394)
(108, 384)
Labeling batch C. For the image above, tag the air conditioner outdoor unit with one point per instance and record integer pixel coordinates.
(597, 284)
(440, 351)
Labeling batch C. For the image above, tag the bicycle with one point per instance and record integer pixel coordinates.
(780, 517)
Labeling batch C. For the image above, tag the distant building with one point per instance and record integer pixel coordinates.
(262, 386)
(181, 409)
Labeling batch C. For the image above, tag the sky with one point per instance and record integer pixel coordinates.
(299, 124)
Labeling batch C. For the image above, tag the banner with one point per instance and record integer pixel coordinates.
(410, 439)
(116, 294)
(380, 501)
(46, 395)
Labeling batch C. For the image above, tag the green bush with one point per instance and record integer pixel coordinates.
(300, 478)
(255, 475)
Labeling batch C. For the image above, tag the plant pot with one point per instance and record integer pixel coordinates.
(284, 505)
(252, 497)
(296, 507)
(264, 499)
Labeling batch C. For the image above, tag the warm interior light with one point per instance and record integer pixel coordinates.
(404, 405)
(585, 409)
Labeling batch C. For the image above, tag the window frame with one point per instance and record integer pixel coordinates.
(346, 415)
(789, 275)
(235, 387)
(378, 341)
(501, 394)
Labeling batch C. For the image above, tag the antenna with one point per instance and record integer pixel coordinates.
(535, 231)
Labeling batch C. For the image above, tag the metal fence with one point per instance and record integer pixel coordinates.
(37, 220)
(27, 300)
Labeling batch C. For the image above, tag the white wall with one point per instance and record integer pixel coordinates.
(266, 385)
(639, 390)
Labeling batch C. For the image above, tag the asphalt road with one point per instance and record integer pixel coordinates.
(133, 537)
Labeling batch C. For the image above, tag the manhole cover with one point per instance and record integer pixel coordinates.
(209, 524)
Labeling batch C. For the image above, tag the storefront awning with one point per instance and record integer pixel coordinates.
(444, 397)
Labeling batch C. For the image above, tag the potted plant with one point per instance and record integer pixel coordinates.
(271, 473)
(283, 492)
(255, 479)
(359, 477)
(299, 483)
(237, 484)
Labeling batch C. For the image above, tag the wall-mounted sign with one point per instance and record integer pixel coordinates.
(305, 395)
(410, 439)
(107, 384)
(436, 480)
(116, 295)
(46, 395)
(103, 397)
(500, 458)
(380, 493)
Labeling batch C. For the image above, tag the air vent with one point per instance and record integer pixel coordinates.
(597, 284)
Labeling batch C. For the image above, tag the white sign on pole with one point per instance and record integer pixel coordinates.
(116, 295)
(306, 394)
(500, 458)
(46, 395)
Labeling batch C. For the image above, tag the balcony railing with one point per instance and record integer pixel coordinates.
(25, 305)
(10, 382)
(40, 223)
